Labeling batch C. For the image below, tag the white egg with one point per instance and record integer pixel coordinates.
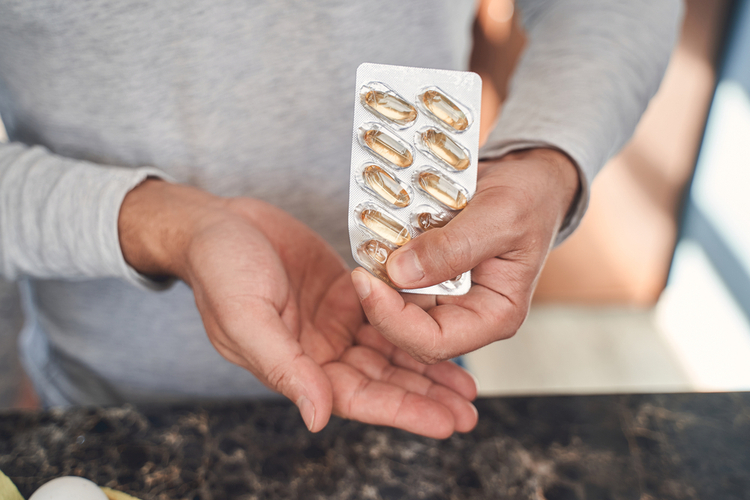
(69, 488)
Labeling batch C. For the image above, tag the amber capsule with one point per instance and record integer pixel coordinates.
(428, 220)
(387, 147)
(389, 106)
(442, 189)
(386, 186)
(373, 255)
(444, 110)
(385, 226)
(446, 149)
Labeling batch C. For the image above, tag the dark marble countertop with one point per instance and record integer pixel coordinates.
(678, 446)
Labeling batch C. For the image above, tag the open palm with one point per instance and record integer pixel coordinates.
(277, 300)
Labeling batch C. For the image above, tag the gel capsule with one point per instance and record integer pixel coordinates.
(446, 149)
(385, 226)
(388, 147)
(386, 186)
(428, 220)
(443, 190)
(390, 107)
(373, 255)
(445, 110)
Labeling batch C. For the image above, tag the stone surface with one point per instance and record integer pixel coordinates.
(681, 446)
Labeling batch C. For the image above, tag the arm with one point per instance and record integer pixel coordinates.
(583, 83)
(587, 75)
(277, 300)
(274, 298)
(58, 216)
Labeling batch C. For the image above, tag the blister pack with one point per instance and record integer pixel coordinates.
(414, 160)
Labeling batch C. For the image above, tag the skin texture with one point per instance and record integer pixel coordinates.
(276, 299)
(503, 236)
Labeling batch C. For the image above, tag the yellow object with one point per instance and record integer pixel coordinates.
(388, 147)
(386, 186)
(385, 226)
(390, 106)
(446, 149)
(116, 495)
(8, 490)
(445, 110)
(443, 190)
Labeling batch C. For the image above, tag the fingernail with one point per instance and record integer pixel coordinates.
(361, 284)
(307, 410)
(405, 268)
(476, 380)
(476, 412)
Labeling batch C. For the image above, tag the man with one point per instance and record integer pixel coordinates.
(189, 140)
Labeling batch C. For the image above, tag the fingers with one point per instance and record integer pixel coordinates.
(372, 402)
(366, 387)
(456, 326)
(445, 373)
(376, 367)
(275, 357)
(403, 323)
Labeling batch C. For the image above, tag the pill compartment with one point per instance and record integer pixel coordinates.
(373, 256)
(442, 147)
(386, 104)
(386, 145)
(445, 110)
(384, 184)
(441, 188)
(413, 166)
(383, 224)
(426, 217)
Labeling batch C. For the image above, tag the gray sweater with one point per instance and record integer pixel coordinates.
(251, 99)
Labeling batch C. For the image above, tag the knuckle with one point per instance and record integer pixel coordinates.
(427, 358)
(277, 376)
(518, 317)
(456, 252)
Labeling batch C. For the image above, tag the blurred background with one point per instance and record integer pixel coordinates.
(652, 293)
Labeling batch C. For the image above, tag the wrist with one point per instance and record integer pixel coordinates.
(550, 173)
(157, 223)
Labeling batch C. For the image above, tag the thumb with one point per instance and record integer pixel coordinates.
(445, 253)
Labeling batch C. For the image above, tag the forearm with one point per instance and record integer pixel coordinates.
(585, 78)
(58, 216)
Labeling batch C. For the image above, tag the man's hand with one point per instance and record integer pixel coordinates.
(277, 300)
(503, 236)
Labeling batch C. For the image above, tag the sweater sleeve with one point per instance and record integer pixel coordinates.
(58, 216)
(585, 78)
